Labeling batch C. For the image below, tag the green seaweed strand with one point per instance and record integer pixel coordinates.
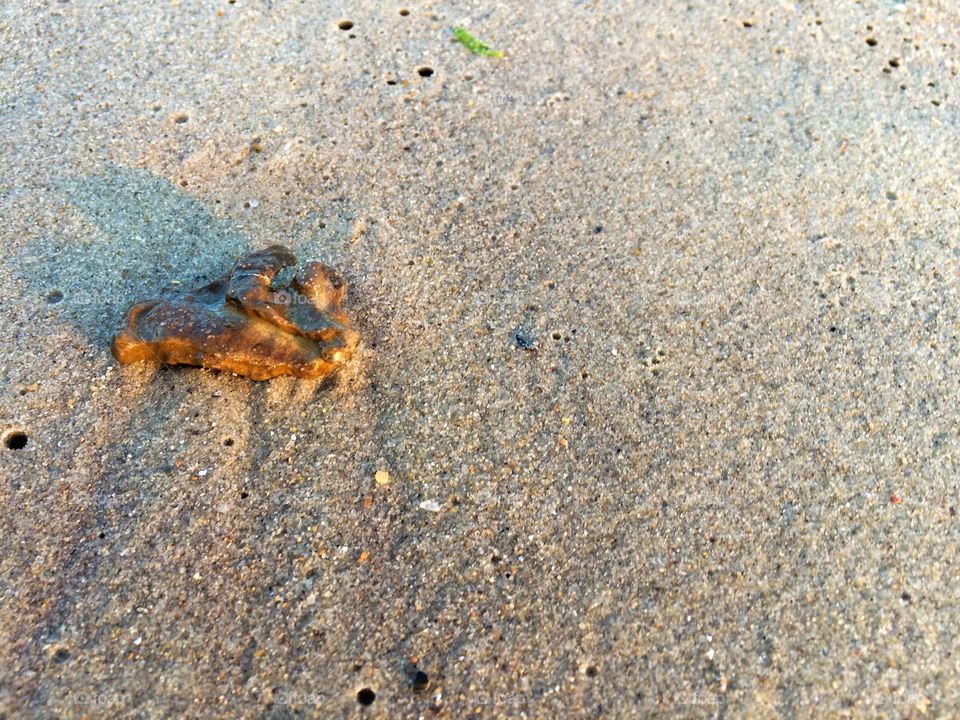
(474, 45)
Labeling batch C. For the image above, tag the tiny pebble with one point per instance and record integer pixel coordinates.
(523, 339)
(430, 505)
(382, 477)
(254, 203)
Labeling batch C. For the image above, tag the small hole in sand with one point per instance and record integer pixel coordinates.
(54, 296)
(344, 24)
(366, 696)
(15, 439)
(180, 118)
(228, 442)
(424, 71)
(420, 681)
(404, 12)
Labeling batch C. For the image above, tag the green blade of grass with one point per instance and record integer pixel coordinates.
(474, 45)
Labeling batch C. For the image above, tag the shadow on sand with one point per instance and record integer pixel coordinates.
(151, 233)
(165, 423)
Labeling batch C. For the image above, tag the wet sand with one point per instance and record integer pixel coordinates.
(660, 348)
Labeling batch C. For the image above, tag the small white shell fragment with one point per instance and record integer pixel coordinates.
(430, 506)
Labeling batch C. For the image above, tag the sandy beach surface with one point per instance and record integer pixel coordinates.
(659, 367)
